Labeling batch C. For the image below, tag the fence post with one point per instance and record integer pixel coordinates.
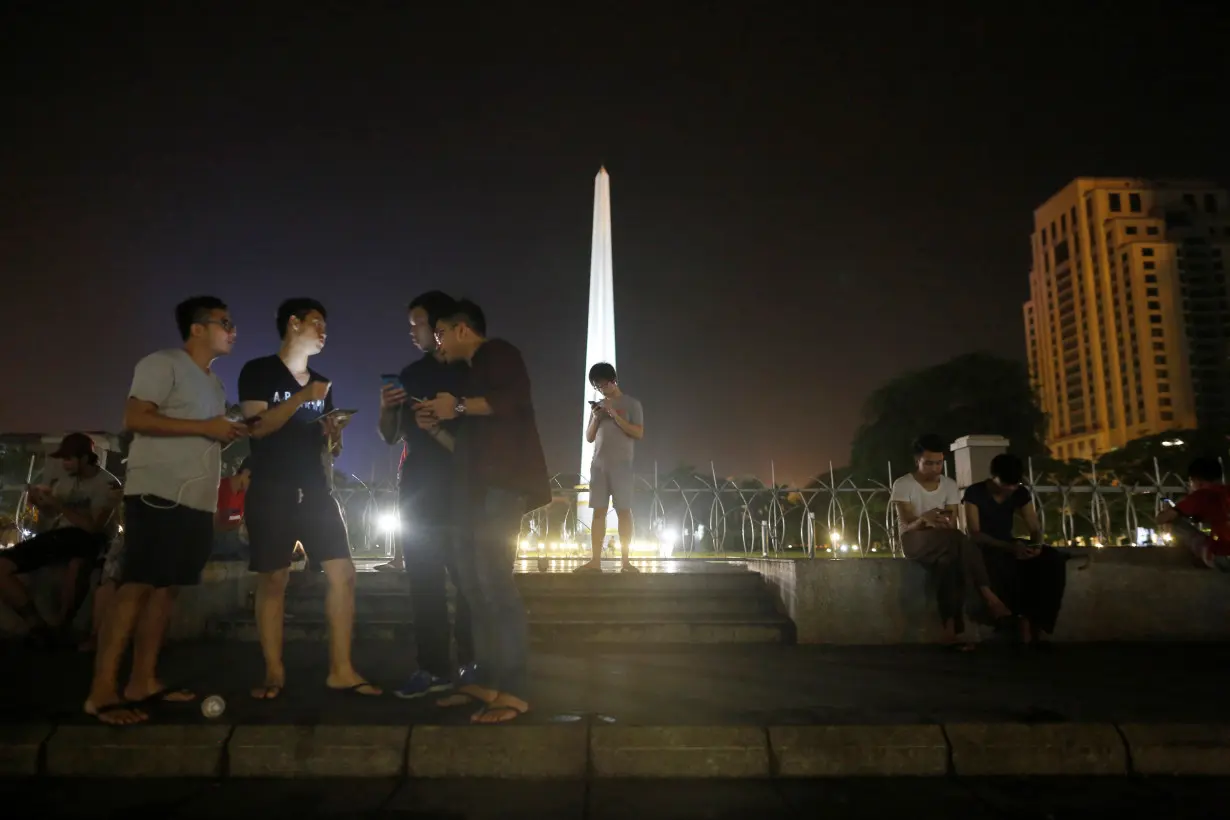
(973, 456)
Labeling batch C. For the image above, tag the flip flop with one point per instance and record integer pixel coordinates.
(270, 691)
(99, 711)
(502, 709)
(170, 695)
(354, 690)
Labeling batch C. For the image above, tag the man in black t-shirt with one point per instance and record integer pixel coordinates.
(425, 493)
(289, 500)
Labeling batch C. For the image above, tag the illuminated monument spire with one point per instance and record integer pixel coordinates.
(600, 339)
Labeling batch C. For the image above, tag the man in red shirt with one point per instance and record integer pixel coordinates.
(1207, 505)
(230, 538)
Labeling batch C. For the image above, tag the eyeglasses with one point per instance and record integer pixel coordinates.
(225, 324)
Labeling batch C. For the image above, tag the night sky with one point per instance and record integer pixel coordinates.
(805, 203)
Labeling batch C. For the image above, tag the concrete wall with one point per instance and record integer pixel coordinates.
(224, 588)
(1123, 595)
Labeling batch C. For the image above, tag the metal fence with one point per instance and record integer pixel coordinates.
(835, 516)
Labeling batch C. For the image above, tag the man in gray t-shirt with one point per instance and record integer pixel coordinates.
(176, 411)
(615, 424)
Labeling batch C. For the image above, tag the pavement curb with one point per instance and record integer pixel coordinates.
(581, 750)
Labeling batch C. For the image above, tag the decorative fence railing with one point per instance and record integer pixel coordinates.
(835, 516)
(696, 513)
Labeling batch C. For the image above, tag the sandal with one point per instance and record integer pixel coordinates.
(503, 712)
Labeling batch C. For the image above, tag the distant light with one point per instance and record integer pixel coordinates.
(389, 522)
(669, 535)
(1174, 442)
(845, 547)
(835, 537)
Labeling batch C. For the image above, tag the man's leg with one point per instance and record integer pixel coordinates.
(496, 529)
(150, 634)
(425, 575)
(327, 544)
(13, 592)
(599, 496)
(45, 550)
(104, 599)
(621, 479)
(270, 617)
(104, 697)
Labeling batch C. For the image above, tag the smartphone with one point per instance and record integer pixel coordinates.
(391, 380)
(339, 412)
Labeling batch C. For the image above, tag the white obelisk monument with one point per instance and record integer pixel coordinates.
(600, 339)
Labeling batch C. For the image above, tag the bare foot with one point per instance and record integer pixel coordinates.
(114, 712)
(353, 683)
(627, 567)
(502, 709)
(269, 690)
(590, 566)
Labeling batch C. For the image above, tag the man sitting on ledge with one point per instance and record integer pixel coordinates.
(926, 504)
(1028, 576)
(1208, 504)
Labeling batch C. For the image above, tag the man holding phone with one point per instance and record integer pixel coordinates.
(289, 499)
(425, 483)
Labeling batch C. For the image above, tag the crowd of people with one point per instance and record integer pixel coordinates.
(472, 467)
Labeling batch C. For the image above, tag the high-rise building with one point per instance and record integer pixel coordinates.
(1127, 327)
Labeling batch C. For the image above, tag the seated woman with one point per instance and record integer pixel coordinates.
(926, 505)
(1027, 575)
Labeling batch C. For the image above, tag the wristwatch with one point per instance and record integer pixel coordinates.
(460, 409)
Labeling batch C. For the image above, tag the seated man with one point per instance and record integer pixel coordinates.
(1028, 576)
(79, 507)
(1208, 505)
(926, 504)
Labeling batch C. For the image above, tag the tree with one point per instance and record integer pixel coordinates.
(976, 393)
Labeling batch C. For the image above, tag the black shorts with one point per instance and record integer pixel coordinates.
(55, 548)
(165, 544)
(278, 516)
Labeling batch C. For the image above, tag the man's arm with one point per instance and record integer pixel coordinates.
(389, 425)
(591, 431)
(508, 394)
(1029, 514)
(908, 521)
(273, 419)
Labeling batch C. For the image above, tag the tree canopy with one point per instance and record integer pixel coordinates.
(972, 394)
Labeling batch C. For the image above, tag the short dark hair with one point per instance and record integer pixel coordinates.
(1007, 468)
(195, 311)
(602, 370)
(298, 307)
(1204, 469)
(929, 443)
(436, 303)
(465, 312)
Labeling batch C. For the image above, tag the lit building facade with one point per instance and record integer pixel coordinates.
(1127, 327)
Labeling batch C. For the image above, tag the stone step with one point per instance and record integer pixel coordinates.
(744, 629)
(674, 582)
(568, 605)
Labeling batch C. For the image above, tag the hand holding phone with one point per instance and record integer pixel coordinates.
(392, 393)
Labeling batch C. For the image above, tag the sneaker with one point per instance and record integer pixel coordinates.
(422, 683)
(467, 674)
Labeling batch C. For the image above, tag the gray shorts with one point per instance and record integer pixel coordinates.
(610, 482)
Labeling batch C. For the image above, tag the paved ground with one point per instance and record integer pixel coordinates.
(648, 800)
(760, 685)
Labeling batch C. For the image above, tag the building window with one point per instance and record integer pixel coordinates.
(1167, 416)
(1116, 203)
(1154, 319)
(1163, 374)
(1151, 230)
(1146, 251)
(1063, 223)
(1148, 292)
(1149, 265)
(1163, 388)
(1134, 203)
(1130, 230)
(1151, 278)
(1154, 306)
(1159, 346)
(1164, 402)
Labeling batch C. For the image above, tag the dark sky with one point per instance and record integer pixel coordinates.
(805, 202)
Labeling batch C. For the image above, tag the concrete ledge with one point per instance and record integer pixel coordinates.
(20, 747)
(318, 751)
(498, 751)
(679, 751)
(990, 749)
(137, 751)
(1178, 748)
(859, 751)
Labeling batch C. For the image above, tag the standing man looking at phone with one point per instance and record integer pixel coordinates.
(424, 489)
(615, 424)
(289, 499)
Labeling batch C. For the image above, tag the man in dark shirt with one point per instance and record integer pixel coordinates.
(289, 499)
(501, 475)
(425, 486)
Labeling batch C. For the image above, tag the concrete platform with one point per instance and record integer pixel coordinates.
(733, 713)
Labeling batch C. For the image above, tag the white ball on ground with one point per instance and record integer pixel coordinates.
(213, 706)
